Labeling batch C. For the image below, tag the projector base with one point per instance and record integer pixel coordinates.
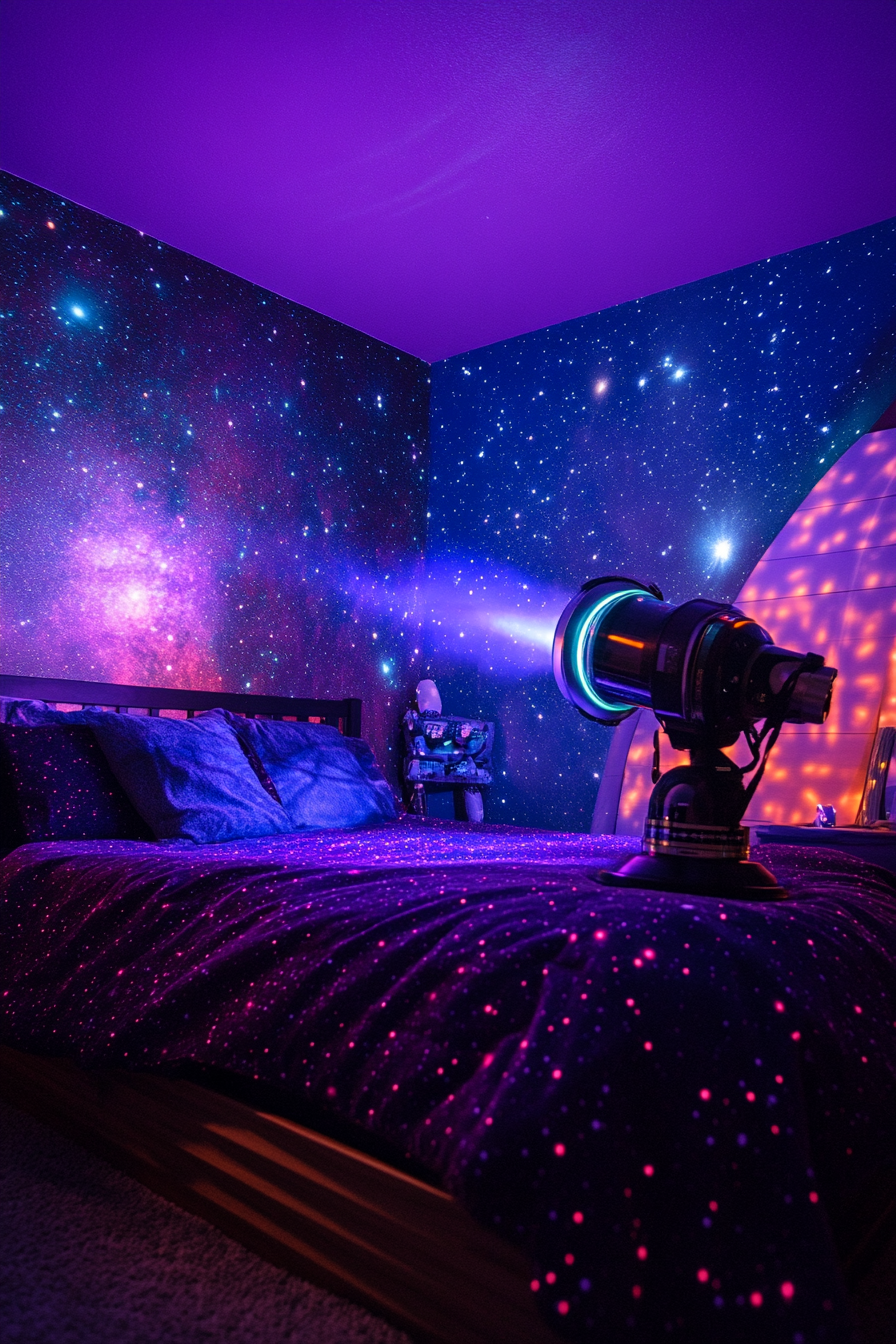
(731, 879)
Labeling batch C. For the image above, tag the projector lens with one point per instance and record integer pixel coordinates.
(702, 666)
(603, 647)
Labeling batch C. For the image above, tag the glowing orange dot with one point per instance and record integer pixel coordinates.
(50, 224)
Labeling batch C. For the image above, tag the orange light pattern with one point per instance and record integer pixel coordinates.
(827, 584)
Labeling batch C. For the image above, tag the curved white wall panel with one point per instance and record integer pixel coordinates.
(827, 583)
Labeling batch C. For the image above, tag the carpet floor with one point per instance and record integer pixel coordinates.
(88, 1256)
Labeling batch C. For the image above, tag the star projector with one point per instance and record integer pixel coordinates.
(709, 673)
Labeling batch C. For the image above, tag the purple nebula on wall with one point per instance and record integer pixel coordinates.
(203, 483)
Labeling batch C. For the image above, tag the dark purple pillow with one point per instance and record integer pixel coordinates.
(56, 784)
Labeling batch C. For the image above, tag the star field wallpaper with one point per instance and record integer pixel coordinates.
(203, 484)
(668, 439)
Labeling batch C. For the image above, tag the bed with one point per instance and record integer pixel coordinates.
(443, 1070)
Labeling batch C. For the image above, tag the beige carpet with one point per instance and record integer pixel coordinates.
(88, 1256)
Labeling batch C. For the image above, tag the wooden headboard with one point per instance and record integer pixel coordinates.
(342, 714)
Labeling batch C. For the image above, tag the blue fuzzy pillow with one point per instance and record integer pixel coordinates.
(189, 779)
(322, 778)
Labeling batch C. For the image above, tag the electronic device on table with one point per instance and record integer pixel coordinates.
(445, 752)
(709, 673)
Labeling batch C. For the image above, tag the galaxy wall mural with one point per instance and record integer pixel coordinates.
(203, 484)
(669, 440)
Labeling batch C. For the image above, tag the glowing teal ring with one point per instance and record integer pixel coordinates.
(583, 645)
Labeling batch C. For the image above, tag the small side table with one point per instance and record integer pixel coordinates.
(447, 752)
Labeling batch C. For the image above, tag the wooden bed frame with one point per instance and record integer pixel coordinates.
(342, 714)
(338, 1217)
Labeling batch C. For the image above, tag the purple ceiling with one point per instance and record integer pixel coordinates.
(447, 173)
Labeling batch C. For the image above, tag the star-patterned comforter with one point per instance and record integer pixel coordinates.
(678, 1106)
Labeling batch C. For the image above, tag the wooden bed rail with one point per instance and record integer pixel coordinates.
(343, 714)
(335, 1216)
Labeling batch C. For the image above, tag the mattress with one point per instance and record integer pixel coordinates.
(682, 1109)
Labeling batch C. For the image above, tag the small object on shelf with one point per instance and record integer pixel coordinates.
(825, 815)
(445, 752)
(427, 696)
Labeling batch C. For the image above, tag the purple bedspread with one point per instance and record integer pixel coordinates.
(671, 1103)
